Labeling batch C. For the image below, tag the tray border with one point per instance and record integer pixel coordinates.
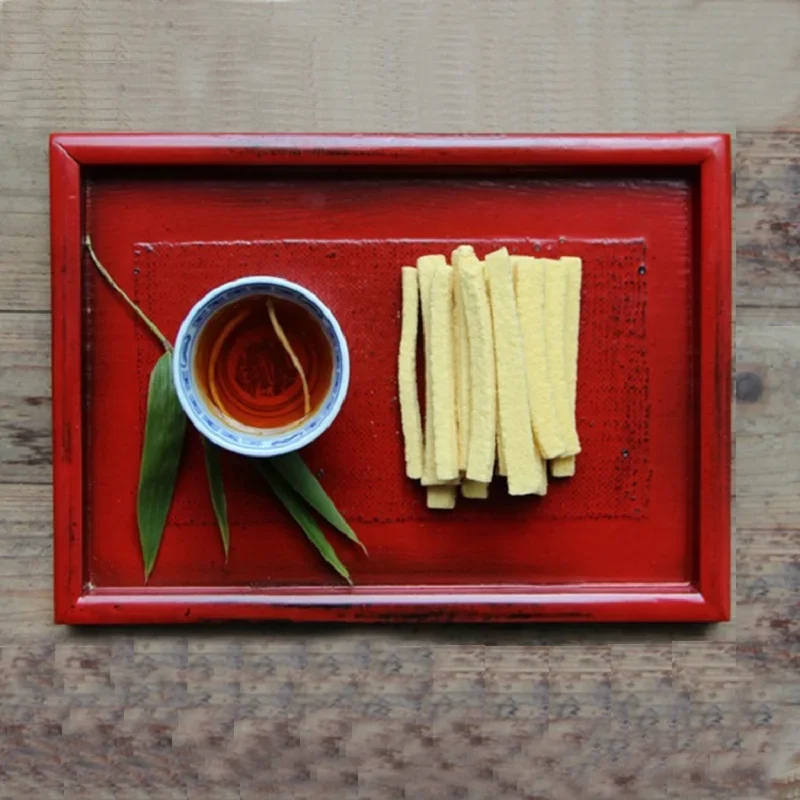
(705, 599)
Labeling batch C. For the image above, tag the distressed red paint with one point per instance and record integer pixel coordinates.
(671, 564)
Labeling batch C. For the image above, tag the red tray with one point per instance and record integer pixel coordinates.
(640, 534)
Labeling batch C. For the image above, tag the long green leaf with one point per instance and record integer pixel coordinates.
(303, 517)
(216, 490)
(161, 457)
(295, 472)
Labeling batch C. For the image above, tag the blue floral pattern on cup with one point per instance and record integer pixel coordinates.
(195, 406)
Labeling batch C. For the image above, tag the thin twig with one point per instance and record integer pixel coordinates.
(121, 292)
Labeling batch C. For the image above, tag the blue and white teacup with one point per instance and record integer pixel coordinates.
(250, 441)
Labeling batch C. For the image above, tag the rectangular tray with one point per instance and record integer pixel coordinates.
(640, 534)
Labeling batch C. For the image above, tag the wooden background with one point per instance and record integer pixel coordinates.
(477, 712)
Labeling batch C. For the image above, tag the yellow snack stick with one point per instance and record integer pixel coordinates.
(541, 469)
(483, 392)
(410, 417)
(426, 266)
(555, 297)
(501, 456)
(461, 352)
(564, 467)
(474, 490)
(540, 463)
(529, 281)
(521, 462)
(442, 497)
(445, 433)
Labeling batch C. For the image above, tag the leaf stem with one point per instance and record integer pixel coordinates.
(279, 332)
(165, 343)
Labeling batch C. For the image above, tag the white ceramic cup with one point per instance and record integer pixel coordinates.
(269, 442)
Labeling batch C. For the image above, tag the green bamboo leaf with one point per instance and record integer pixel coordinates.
(216, 489)
(161, 456)
(295, 472)
(303, 517)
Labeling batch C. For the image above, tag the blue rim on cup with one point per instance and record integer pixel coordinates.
(268, 443)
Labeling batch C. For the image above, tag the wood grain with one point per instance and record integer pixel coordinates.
(768, 210)
(504, 713)
(25, 449)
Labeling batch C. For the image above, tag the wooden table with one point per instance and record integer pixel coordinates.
(545, 712)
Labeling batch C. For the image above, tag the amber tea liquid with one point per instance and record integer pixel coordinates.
(245, 373)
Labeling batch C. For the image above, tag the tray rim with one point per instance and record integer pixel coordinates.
(706, 599)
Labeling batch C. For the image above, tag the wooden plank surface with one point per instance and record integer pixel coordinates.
(534, 712)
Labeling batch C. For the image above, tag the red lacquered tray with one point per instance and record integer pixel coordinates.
(640, 534)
